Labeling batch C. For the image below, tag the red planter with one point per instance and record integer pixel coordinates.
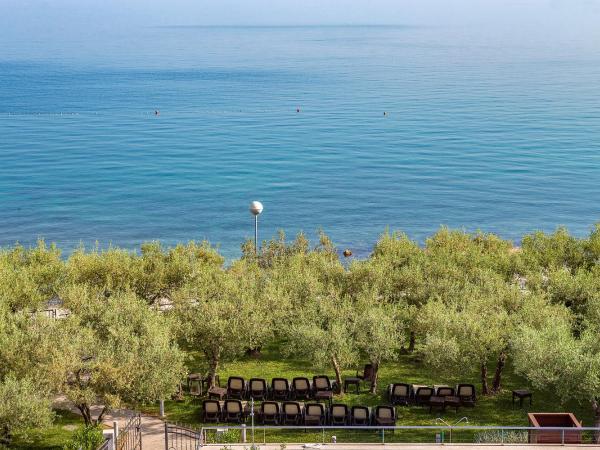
(541, 420)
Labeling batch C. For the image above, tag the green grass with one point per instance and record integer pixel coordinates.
(490, 410)
(50, 438)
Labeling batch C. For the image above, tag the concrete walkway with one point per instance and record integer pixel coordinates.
(153, 428)
(397, 446)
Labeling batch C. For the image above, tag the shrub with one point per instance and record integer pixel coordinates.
(497, 437)
(85, 438)
(226, 437)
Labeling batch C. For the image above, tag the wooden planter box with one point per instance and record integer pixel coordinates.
(541, 420)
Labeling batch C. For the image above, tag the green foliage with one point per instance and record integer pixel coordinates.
(121, 352)
(555, 360)
(505, 437)
(154, 274)
(378, 329)
(22, 406)
(324, 333)
(463, 301)
(555, 250)
(85, 438)
(224, 437)
(30, 277)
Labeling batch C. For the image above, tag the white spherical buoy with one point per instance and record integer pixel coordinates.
(256, 208)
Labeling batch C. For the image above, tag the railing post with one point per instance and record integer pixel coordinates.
(383, 435)
(502, 436)
(243, 433)
(115, 434)
(161, 407)
(562, 436)
(166, 436)
(139, 429)
(323, 435)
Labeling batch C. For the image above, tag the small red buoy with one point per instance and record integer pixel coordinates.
(347, 253)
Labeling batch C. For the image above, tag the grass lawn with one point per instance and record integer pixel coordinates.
(50, 438)
(491, 410)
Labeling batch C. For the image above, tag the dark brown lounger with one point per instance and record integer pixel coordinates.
(301, 388)
(280, 389)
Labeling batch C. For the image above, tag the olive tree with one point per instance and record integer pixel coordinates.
(22, 406)
(563, 358)
(155, 273)
(222, 313)
(25, 384)
(476, 324)
(556, 250)
(120, 351)
(323, 332)
(393, 274)
(30, 277)
(380, 328)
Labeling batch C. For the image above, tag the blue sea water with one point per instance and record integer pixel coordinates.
(484, 130)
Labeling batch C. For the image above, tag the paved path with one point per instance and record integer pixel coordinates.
(401, 447)
(153, 428)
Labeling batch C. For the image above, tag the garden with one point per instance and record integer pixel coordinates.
(124, 329)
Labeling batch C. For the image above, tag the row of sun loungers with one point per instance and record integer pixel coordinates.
(412, 394)
(297, 413)
(300, 388)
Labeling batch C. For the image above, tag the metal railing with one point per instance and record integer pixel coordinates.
(106, 444)
(178, 437)
(130, 436)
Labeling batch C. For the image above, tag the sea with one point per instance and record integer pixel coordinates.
(169, 132)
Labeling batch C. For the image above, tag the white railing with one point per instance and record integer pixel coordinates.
(440, 434)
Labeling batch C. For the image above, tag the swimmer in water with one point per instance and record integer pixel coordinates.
(156, 112)
(297, 110)
(385, 113)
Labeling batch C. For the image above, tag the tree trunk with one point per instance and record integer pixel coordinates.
(497, 383)
(178, 396)
(596, 408)
(254, 352)
(411, 342)
(101, 416)
(485, 390)
(338, 372)
(86, 413)
(213, 366)
(374, 377)
(84, 409)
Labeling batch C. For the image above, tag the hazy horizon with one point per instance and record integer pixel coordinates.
(65, 14)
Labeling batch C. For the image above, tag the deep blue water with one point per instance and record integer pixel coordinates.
(497, 131)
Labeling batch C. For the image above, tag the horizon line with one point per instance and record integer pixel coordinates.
(306, 25)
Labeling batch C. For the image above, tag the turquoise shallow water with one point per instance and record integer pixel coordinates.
(483, 130)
